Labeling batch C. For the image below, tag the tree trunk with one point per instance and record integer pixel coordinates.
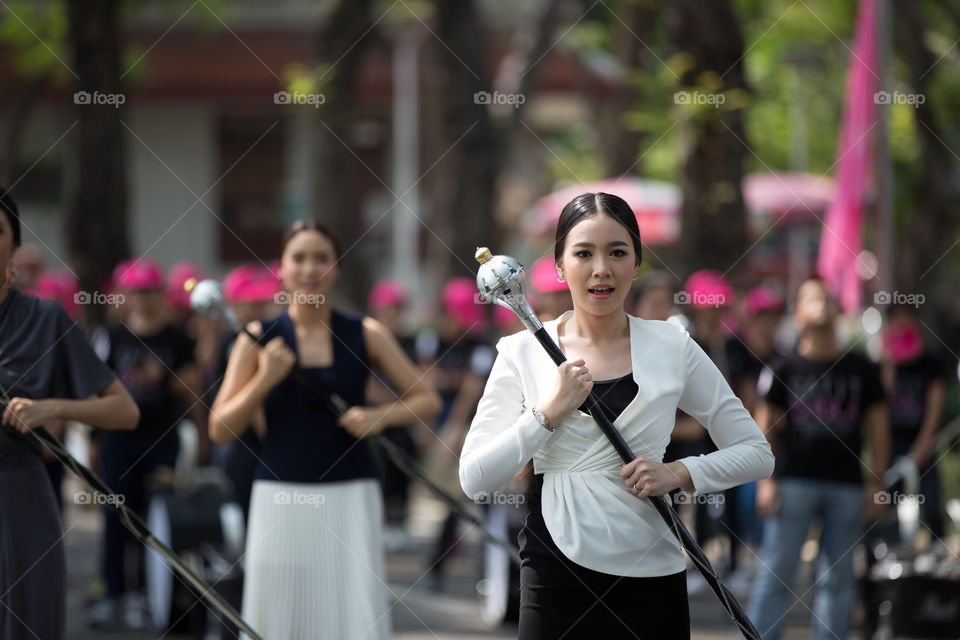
(95, 223)
(341, 44)
(924, 257)
(713, 216)
(463, 206)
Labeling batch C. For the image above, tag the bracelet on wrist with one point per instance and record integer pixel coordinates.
(542, 419)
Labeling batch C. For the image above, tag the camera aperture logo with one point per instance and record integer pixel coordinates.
(299, 498)
(699, 98)
(485, 497)
(898, 297)
(298, 97)
(497, 98)
(96, 98)
(898, 97)
(98, 297)
(99, 499)
(298, 297)
(684, 497)
(882, 497)
(699, 299)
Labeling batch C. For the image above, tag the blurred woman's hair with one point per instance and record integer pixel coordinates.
(9, 207)
(308, 224)
(590, 204)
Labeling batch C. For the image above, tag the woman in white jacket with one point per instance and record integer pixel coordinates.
(596, 557)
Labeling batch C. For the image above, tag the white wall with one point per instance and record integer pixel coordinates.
(173, 160)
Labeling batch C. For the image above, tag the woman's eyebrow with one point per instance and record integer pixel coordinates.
(615, 243)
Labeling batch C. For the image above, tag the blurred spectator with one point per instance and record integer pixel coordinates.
(654, 297)
(551, 294)
(459, 365)
(30, 260)
(249, 291)
(154, 361)
(916, 382)
(387, 303)
(816, 405)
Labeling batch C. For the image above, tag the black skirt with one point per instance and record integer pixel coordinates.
(32, 560)
(561, 599)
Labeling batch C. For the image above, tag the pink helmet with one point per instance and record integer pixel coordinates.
(138, 274)
(763, 298)
(178, 275)
(460, 300)
(543, 276)
(386, 293)
(707, 288)
(250, 282)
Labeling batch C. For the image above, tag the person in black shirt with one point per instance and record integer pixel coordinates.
(154, 361)
(816, 404)
(916, 383)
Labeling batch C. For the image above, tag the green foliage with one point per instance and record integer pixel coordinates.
(34, 33)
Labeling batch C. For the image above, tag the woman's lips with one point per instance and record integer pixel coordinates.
(601, 293)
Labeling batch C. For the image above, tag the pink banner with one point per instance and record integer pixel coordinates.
(840, 241)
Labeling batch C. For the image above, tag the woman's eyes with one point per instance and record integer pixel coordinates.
(617, 253)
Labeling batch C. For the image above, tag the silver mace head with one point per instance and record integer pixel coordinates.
(500, 279)
(206, 298)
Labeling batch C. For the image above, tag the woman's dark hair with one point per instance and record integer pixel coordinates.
(591, 204)
(9, 207)
(312, 225)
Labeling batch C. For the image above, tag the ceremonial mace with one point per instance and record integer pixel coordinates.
(500, 280)
(206, 298)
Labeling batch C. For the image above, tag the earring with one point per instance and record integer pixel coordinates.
(636, 274)
(10, 275)
(560, 278)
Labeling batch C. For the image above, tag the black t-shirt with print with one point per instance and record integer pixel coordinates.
(908, 400)
(146, 365)
(825, 403)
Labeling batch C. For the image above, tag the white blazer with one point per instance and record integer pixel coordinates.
(593, 517)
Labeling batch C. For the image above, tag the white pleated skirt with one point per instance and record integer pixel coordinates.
(314, 562)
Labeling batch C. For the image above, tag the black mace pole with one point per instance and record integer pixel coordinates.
(501, 280)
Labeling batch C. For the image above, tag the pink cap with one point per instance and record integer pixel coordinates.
(178, 275)
(137, 274)
(503, 317)
(386, 293)
(764, 299)
(251, 282)
(902, 342)
(61, 287)
(460, 300)
(543, 276)
(707, 288)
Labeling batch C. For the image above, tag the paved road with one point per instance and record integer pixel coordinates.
(418, 613)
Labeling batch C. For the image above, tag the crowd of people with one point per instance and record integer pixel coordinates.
(745, 407)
